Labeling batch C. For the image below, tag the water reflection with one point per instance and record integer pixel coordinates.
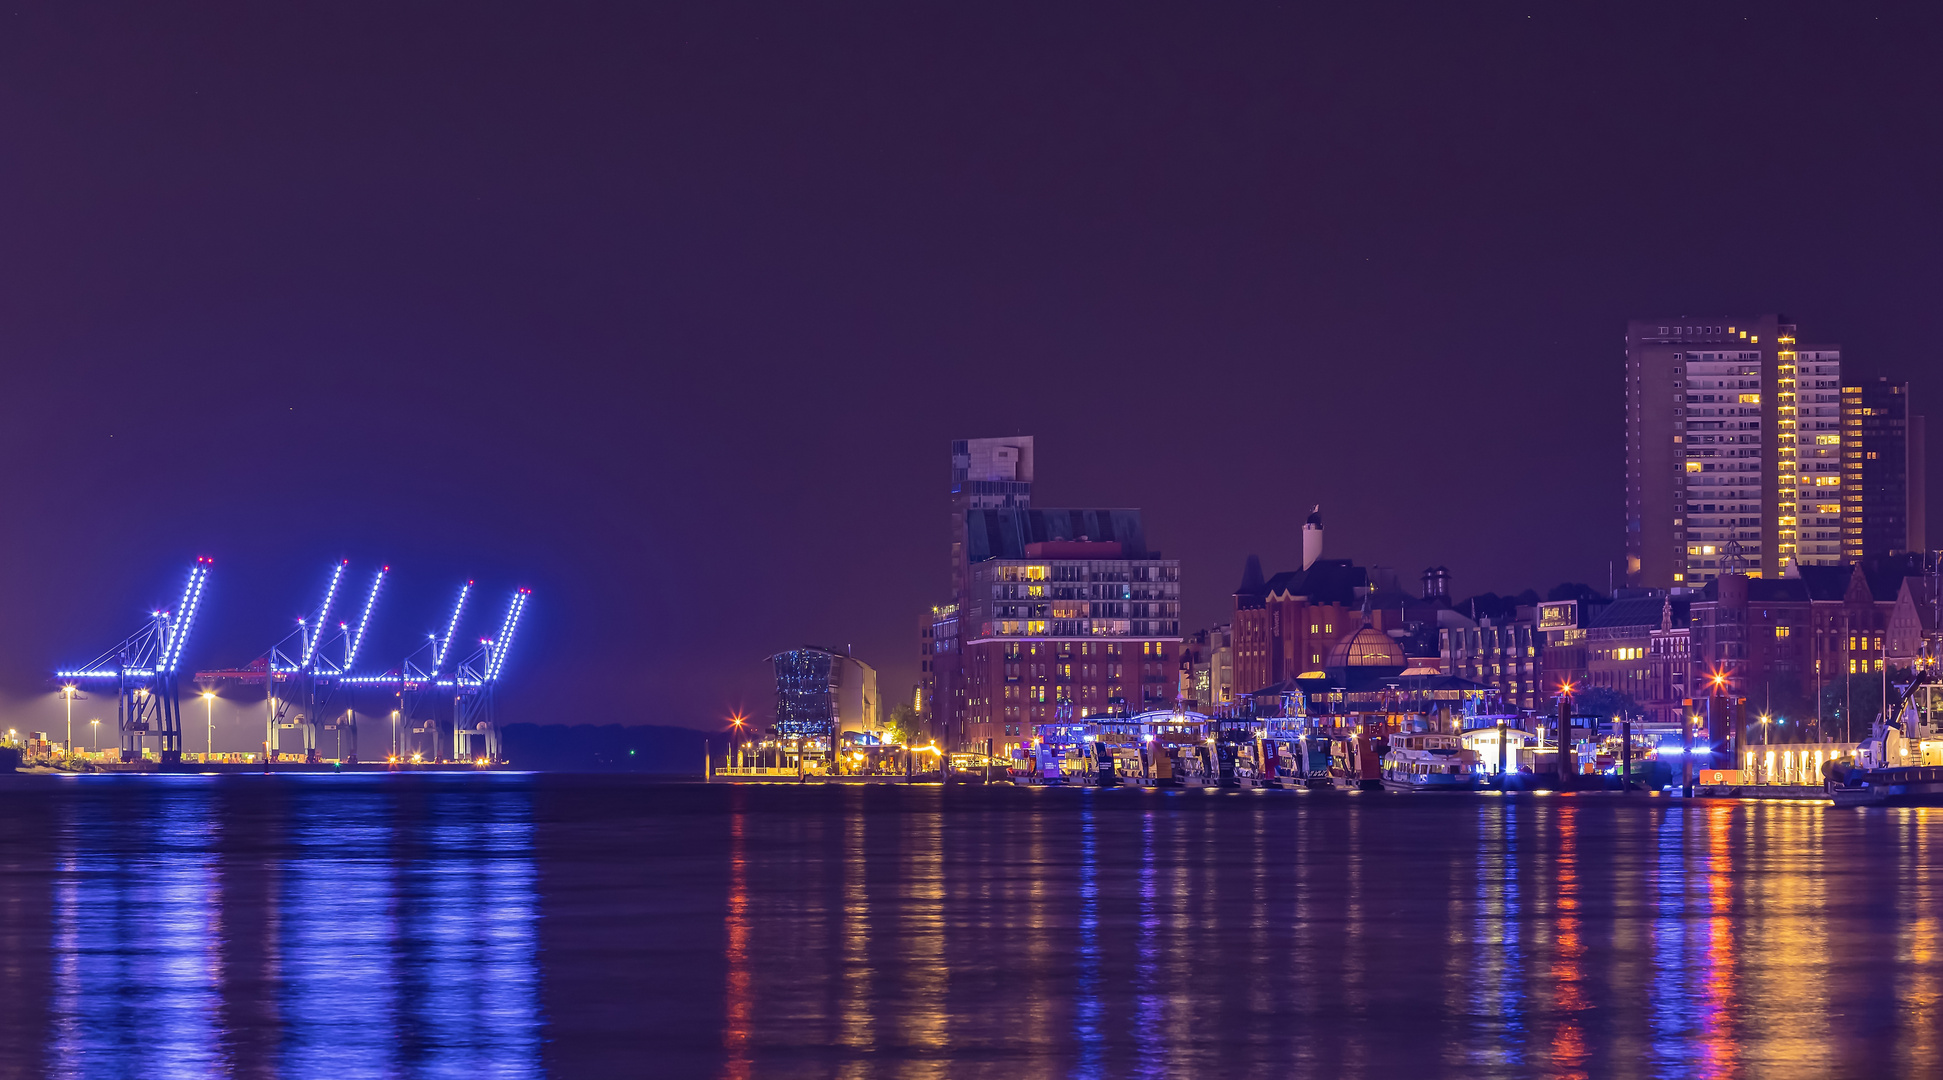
(1128, 933)
(491, 926)
(283, 926)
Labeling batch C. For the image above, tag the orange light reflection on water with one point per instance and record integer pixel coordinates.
(1568, 955)
(737, 1014)
(1719, 1045)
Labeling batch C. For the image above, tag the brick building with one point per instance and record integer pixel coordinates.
(1285, 626)
(1072, 628)
(1049, 608)
(1670, 666)
(1790, 639)
(1620, 646)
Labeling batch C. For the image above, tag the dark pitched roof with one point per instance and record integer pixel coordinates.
(1885, 580)
(1760, 591)
(1638, 611)
(1826, 582)
(1003, 533)
(1326, 581)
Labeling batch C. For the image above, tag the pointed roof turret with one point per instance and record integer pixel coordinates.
(1252, 580)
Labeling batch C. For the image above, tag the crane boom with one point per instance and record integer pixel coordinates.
(497, 658)
(438, 655)
(364, 620)
(324, 613)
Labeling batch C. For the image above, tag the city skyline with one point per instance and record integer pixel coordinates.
(685, 364)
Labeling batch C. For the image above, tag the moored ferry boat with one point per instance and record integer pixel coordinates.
(1429, 761)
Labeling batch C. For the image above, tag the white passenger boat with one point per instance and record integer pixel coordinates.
(1429, 761)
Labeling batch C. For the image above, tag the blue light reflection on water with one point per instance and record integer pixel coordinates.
(135, 979)
(292, 926)
(1673, 1012)
(1148, 1006)
(1088, 1013)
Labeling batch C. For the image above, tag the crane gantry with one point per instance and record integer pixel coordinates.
(143, 666)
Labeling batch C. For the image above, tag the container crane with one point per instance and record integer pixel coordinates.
(419, 683)
(144, 669)
(478, 676)
(301, 672)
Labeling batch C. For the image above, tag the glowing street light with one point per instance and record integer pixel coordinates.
(68, 693)
(97, 735)
(209, 725)
(736, 721)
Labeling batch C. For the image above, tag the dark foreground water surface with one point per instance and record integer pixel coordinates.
(520, 925)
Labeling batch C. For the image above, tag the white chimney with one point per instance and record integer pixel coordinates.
(1312, 538)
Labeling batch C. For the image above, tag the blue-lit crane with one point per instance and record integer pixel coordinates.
(301, 672)
(478, 676)
(420, 683)
(144, 668)
(432, 686)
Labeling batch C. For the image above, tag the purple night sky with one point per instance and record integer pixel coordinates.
(670, 314)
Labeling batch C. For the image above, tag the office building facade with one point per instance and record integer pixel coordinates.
(1505, 655)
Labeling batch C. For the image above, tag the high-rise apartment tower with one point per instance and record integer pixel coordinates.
(1882, 469)
(1733, 450)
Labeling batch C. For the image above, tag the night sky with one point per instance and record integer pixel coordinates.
(671, 314)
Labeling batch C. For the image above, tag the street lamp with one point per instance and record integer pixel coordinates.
(209, 725)
(97, 735)
(68, 693)
(736, 721)
(1764, 735)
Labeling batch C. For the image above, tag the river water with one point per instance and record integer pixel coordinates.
(601, 926)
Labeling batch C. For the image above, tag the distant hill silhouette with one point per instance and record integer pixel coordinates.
(642, 748)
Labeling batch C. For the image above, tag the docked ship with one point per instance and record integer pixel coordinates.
(1901, 763)
(1151, 749)
(1429, 761)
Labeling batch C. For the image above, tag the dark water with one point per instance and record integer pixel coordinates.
(485, 926)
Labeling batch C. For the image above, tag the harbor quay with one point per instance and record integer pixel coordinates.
(1428, 740)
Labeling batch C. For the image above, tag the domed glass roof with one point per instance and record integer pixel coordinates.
(1368, 647)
